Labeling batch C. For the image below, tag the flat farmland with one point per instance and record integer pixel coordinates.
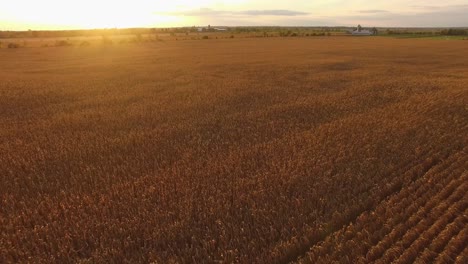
(265, 150)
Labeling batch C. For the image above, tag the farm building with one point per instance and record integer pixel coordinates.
(210, 29)
(359, 31)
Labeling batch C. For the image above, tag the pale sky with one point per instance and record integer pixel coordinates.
(72, 14)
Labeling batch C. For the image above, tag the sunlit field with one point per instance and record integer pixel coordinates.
(249, 150)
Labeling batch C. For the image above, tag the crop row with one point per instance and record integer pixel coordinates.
(375, 232)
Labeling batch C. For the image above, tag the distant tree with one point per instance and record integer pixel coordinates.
(359, 28)
(84, 44)
(375, 31)
(62, 43)
(13, 45)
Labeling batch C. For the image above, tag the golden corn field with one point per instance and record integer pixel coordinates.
(265, 150)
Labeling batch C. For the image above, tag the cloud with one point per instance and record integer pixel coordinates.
(427, 14)
(203, 12)
(272, 13)
(424, 7)
(447, 16)
(373, 11)
(446, 8)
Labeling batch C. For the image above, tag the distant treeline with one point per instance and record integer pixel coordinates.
(281, 31)
(75, 33)
(137, 31)
(455, 32)
(444, 32)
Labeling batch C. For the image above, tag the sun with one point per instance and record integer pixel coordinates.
(86, 14)
(91, 13)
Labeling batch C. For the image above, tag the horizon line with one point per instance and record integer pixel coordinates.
(263, 26)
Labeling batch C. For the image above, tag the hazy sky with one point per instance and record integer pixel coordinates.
(63, 14)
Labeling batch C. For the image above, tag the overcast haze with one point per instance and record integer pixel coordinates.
(54, 14)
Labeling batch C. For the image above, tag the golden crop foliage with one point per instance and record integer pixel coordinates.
(235, 150)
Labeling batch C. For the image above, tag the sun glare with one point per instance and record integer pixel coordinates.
(95, 14)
